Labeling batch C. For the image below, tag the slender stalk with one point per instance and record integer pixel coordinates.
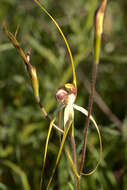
(78, 184)
(98, 29)
(73, 146)
(83, 154)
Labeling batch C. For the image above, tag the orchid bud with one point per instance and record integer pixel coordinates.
(34, 79)
(99, 17)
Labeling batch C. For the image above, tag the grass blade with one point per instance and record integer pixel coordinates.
(20, 172)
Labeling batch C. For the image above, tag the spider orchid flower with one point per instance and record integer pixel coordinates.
(66, 95)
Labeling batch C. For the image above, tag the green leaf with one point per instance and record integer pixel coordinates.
(20, 172)
(2, 186)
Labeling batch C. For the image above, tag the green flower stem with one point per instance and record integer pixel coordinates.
(97, 45)
(73, 146)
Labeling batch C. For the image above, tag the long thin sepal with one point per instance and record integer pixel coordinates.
(66, 42)
(68, 125)
(45, 151)
(85, 112)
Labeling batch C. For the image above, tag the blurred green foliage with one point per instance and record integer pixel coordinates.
(23, 129)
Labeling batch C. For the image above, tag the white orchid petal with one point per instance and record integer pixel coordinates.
(68, 113)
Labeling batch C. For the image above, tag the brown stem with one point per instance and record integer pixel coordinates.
(98, 26)
(83, 154)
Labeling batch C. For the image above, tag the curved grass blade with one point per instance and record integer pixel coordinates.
(63, 36)
(45, 151)
(20, 172)
(85, 112)
(72, 163)
(67, 127)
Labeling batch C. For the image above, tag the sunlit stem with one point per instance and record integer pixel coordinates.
(83, 154)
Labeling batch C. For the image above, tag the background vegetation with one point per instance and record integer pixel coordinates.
(23, 129)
